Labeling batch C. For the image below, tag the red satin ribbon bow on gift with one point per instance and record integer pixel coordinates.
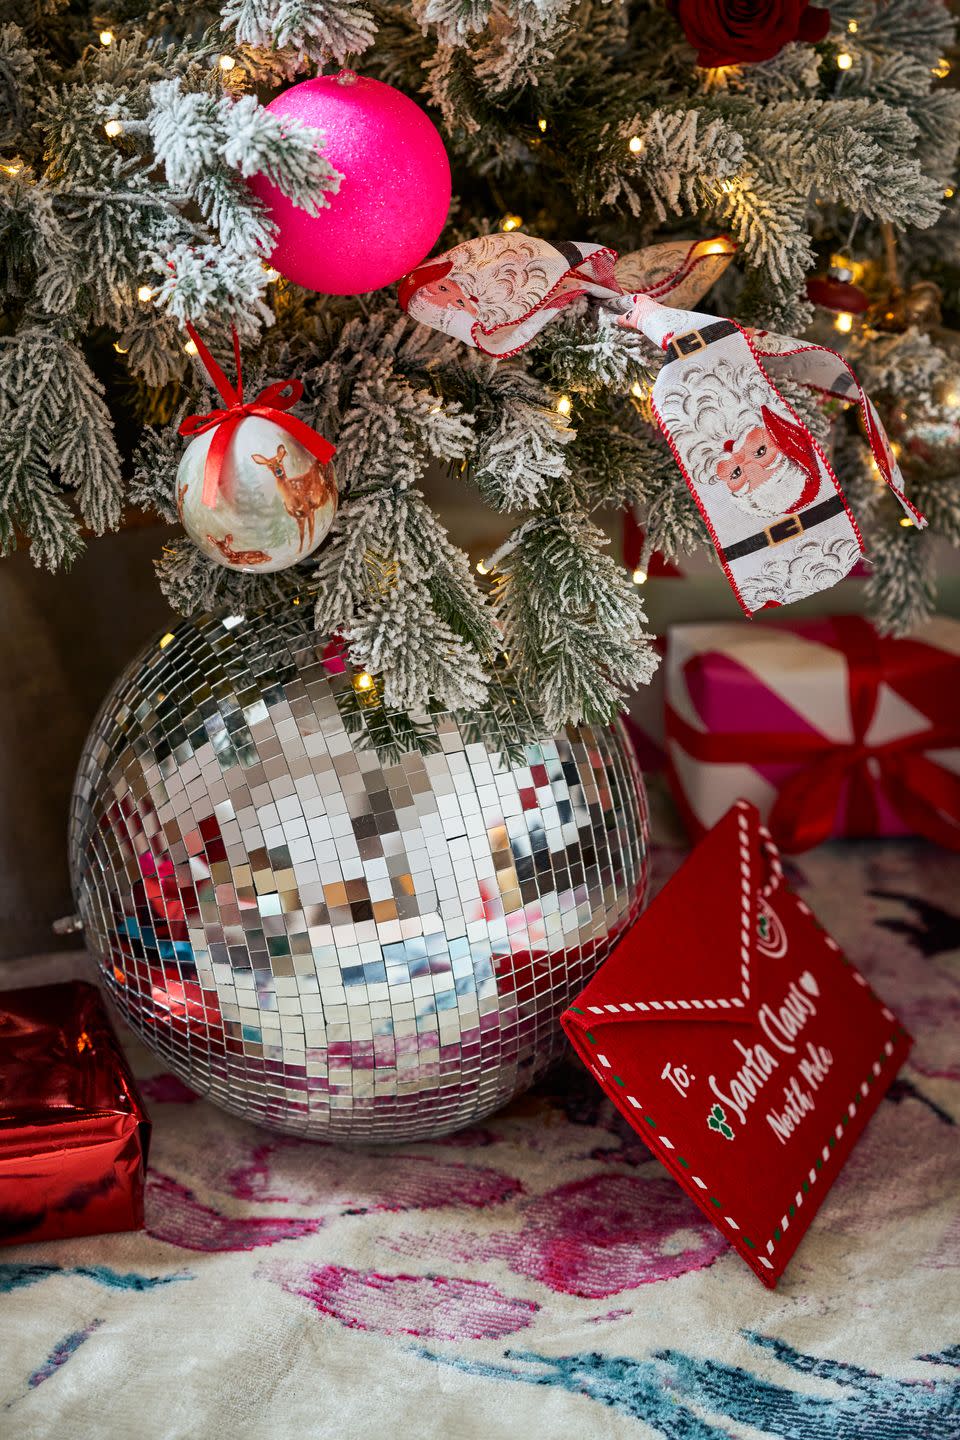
(924, 794)
(271, 404)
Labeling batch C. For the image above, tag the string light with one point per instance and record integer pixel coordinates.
(844, 322)
(635, 144)
(113, 128)
(942, 68)
(106, 37)
(564, 405)
(852, 26)
(542, 125)
(639, 577)
(511, 222)
(948, 192)
(191, 348)
(637, 390)
(271, 274)
(144, 293)
(844, 60)
(906, 523)
(121, 349)
(13, 167)
(363, 681)
(717, 247)
(952, 399)
(226, 62)
(483, 568)
(854, 268)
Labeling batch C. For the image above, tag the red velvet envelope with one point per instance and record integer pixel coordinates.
(739, 1042)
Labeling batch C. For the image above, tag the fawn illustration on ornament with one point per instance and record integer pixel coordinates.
(302, 495)
(238, 557)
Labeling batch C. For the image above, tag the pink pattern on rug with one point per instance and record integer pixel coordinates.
(609, 1233)
(176, 1216)
(431, 1307)
(167, 1089)
(592, 1238)
(362, 1182)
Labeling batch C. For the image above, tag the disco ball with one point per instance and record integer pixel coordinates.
(332, 919)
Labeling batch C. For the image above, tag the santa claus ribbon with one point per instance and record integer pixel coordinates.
(271, 404)
(830, 775)
(774, 508)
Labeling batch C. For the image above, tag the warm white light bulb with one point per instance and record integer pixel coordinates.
(637, 390)
(121, 349)
(542, 124)
(144, 293)
(844, 60)
(483, 568)
(113, 128)
(226, 62)
(852, 26)
(906, 522)
(635, 145)
(511, 222)
(106, 37)
(844, 322)
(363, 681)
(639, 576)
(564, 405)
(191, 348)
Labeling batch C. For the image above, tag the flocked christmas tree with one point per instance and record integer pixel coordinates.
(128, 133)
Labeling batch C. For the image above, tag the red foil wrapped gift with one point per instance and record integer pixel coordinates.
(73, 1129)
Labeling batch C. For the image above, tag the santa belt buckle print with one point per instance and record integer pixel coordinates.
(692, 341)
(688, 343)
(788, 527)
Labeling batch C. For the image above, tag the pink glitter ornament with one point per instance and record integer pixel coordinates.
(393, 198)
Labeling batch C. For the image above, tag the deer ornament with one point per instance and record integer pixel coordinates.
(255, 489)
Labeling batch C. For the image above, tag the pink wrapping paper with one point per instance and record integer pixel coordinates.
(765, 680)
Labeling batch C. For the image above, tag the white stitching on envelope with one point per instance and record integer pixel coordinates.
(746, 918)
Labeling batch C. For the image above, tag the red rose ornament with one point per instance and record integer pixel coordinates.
(744, 32)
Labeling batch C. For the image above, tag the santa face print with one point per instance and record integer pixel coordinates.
(446, 294)
(758, 474)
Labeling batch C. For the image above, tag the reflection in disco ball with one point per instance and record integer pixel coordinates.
(330, 919)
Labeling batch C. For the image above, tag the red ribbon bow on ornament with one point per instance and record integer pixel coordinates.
(925, 795)
(271, 404)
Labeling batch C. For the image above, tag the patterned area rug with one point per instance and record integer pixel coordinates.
(537, 1275)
